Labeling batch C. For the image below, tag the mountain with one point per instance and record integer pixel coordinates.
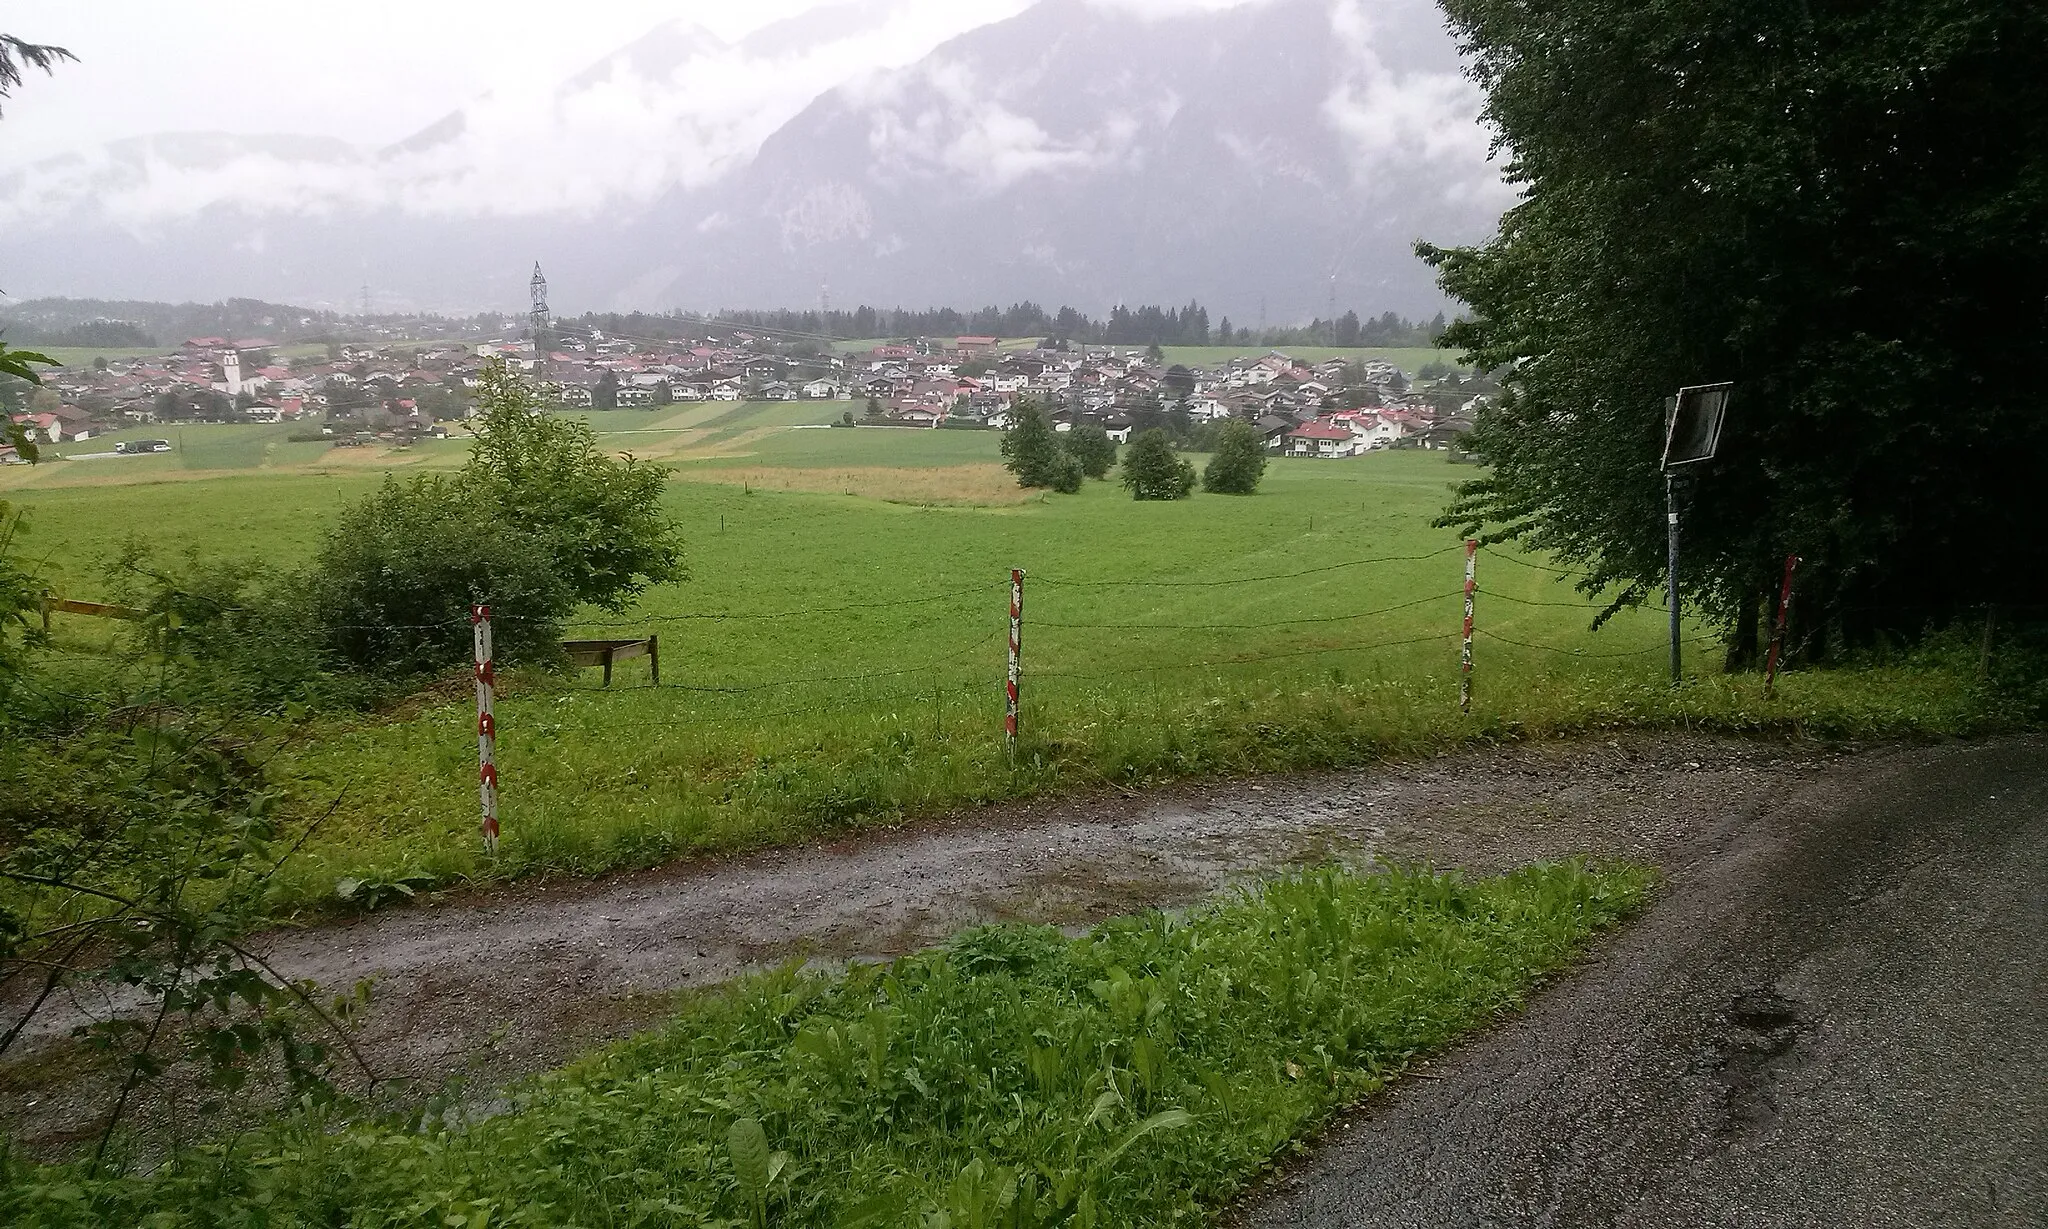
(1259, 158)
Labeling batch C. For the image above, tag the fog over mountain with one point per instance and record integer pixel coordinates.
(1257, 156)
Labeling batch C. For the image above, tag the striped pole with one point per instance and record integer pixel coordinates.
(1778, 628)
(1465, 656)
(486, 726)
(1016, 660)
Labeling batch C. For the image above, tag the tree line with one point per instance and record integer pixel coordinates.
(1145, 325)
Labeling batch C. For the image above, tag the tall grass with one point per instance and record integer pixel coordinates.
(1135, 1076)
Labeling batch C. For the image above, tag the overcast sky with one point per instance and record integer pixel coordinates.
(366, 71)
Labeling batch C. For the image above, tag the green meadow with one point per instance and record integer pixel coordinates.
(837, 656)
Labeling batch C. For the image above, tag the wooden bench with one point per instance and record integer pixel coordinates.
(605, 652)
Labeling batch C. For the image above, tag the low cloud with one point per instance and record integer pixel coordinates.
(678, 110)
(1393, 121)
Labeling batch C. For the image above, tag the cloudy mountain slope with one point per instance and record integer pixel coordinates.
(1078, 152)
(1082, 153)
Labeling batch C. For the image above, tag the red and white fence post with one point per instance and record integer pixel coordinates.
(486, 726)
(1016, 661)
(1465, 655)
(1778, 628)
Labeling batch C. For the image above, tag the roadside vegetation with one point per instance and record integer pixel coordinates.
(1138, 1075)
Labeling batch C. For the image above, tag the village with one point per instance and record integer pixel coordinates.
(359, 393)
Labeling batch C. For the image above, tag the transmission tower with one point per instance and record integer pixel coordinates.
(537, 317)
(366, 300)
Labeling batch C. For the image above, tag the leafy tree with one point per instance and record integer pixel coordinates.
(1092, 447)
(1065, 473)
(20, 365)
(1152, 470)
(1239, 463)
(1031, 449)
(539, 522)
(606, 395)
(545, 474)
(1844, 211)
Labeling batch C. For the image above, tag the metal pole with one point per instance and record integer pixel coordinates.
(1671, 565)
(1465, 657)
(1016, 660)
(1778, 628)
(486, 726)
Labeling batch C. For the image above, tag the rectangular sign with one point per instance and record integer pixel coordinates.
(1692, 423)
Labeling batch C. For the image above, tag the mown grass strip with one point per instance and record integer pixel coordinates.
(1139, 1075)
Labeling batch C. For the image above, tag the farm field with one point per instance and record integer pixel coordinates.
(838, 658)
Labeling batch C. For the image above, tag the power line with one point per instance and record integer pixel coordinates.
(1241, 580)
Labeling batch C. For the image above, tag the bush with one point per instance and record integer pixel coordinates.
(395, 581)
(1152, 470)
(538, 522)
(1092, 447)
(1239, 463)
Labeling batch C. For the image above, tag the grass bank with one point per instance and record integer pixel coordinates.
(1139, 1075)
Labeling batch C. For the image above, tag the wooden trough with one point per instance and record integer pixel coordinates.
(605, 652)
(53, 604)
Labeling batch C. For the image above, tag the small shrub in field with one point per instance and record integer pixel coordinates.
(1239, 463)
(1153, 470)
(1092, 447)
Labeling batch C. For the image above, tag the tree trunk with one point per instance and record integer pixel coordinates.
(1742, 650)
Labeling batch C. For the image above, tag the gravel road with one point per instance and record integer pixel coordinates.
(1836, 1015)
(1832, 1015)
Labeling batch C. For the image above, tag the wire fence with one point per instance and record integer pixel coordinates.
(1080, 629)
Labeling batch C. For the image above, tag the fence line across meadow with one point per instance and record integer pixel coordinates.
(958, 662)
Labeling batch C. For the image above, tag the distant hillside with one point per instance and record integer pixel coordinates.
(128, 322)
(1268, 160)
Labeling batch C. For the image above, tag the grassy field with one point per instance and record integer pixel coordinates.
(1139, 1075)
(837, 658)
(82, 356)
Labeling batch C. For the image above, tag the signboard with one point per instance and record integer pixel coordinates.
(1692, 423)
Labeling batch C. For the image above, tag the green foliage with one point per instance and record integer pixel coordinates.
(1031, 449)
(538, 522)
(599, 517)
(393, 587)
(1153, 470)
(1066, 473)
(20, 597)
(1137, 1076)
(1239, 463)
(1091, 445)
(1843, 212)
